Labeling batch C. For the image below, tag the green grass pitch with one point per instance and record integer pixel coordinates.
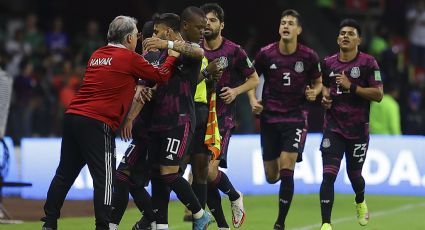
(386, 213)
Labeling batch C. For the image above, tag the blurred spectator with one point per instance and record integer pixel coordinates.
(35, 39)
(66, 84)
(87, 43)
(417, 76)
(25, 102)
(385, 116)
(416, 18)
(57, 41)
(16, 49)
(360, 5)
(413, 121)
(393, 61)
(378, 42)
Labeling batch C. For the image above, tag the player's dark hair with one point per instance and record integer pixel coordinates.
(351, 23)
(215, 9)
(147, 30)
(191, 11)
(169, 19)
(293, 13)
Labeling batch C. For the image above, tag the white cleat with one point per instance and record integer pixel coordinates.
(238, 211)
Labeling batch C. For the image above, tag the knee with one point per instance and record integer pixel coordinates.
(289, 161)
(272, 177)
(212, 173)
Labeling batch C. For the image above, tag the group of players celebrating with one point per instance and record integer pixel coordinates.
(170, 123)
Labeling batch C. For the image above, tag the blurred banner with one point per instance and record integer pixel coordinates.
(394, 166)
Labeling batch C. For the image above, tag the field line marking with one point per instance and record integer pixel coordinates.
(373, 214)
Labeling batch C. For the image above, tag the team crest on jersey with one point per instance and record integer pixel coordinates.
(299, 67)
(355, 72)
(222, 62)
(326, 143)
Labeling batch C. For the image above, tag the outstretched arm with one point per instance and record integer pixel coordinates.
(184, 48)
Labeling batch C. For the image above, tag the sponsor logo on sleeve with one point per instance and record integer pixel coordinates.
(377, 75)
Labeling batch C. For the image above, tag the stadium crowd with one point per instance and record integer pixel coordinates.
(47, 64)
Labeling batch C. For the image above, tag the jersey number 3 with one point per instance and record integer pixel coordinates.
(286, 79)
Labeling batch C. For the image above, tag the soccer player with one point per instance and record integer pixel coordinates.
(173, 119)
(238, 77)
(132, 174)
(351, 81)
(292, 78)
(94, 115)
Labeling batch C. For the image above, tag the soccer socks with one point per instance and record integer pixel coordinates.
(183, 191)
(358, 184)
(143, 201)
(214, 204)
(200, 191)
(223, 183)
(286, 193)
(120, 197)
(160, 199)
(327, 196)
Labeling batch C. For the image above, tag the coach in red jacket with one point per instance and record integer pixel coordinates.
(94, 115)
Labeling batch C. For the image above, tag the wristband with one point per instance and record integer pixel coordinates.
(206, 74)
(170, 44)
(353, 88)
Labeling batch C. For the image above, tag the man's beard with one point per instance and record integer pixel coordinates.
(212, 36)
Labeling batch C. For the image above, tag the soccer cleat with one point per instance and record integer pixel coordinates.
(223, 228)
(48, 225)
(362, 213)
(238, 211)
(278, 227)
(201, 223)
(326, 226)
(187, 215)
(48, 228)
(144, 224)
(187, 218)
(212, 220)
(113, 226)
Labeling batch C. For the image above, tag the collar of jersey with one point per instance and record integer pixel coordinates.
(117, 45)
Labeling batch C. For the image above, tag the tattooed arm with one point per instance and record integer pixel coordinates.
(188, 49)
(184, 48)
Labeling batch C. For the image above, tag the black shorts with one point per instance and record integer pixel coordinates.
(135, 164)
(335, 145)
(197, 145)
(278, 137)
(225, 138)
(169, 147)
